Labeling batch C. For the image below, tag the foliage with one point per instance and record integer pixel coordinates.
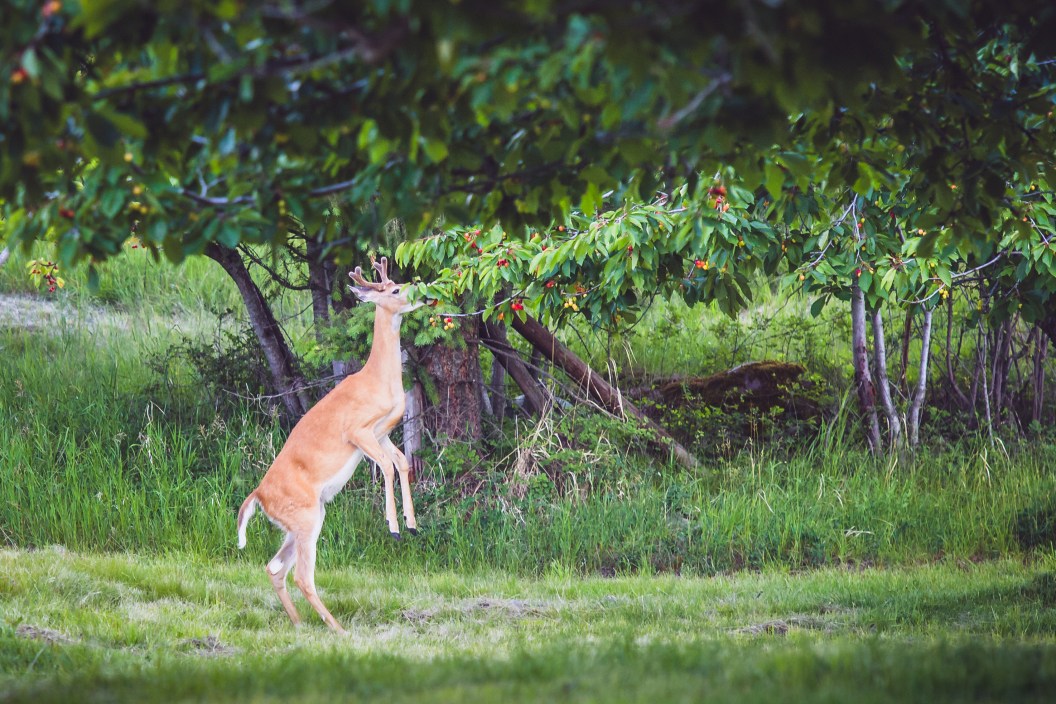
(195, 122)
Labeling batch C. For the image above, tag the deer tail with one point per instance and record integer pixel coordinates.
(249, 507)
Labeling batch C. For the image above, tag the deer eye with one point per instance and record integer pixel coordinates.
(395, 291)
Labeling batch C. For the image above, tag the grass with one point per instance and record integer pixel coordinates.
(126, 627)
(821, 575)
(98, 455)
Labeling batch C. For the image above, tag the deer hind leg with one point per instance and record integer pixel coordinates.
(380, 456)
(278, 569)
(304, 577)
(404, 468)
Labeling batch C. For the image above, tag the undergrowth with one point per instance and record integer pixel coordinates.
(91, 462)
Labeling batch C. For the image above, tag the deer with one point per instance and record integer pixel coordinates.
(349, 423)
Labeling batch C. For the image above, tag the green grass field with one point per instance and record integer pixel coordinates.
(130, 627)
(816, 575)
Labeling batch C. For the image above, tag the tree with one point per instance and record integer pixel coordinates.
(229, 119)
(202, 124)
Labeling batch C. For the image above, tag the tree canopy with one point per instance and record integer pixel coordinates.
(186, 123)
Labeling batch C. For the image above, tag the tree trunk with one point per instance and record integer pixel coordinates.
(962, 399)
(493, 336)
(894, 425)
(287, 382)
(457, 378)
(1041, 351)
(1001, 365)
(917, 397)
(903, 368)
(1048, 326)
(414, 427)
(862, 378)
(497, 388)
(318, 286)
(608, 397)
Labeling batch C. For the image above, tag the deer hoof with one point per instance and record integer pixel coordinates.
(395, 535)
(412, 531)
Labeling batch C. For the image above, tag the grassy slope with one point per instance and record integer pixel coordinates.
(128, 627)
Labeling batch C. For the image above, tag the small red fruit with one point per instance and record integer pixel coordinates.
(699, 263)
(51, 8)
(66, 213)
(19, 75)
(517, 305)
(447, 320)
(560, 228)
(549, 284)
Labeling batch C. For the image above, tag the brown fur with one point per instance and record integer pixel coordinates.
(355, 418)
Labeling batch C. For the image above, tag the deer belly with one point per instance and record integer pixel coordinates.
(338, 481)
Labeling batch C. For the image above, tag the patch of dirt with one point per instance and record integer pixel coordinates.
(208, 647)
(20, 310)
(780, 627)
(49, 636)
(418, 616)
(512, 607)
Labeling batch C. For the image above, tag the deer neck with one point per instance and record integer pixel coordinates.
(384, 361)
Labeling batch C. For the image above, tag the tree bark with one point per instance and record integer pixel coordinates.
(608, 397)
(863, 380)
(413, 427)
(493, 336)
(894, 425)
(1001, 365)
(497, 388)
(318, 285)
(1041, 351)
(951, 378)
(917, 398)
(1048, 326)
(903, 369)
(457, 378)
(287, 382)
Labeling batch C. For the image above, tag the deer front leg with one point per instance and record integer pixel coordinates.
(377, 454)
(404, 468)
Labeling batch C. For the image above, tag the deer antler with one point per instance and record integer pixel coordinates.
(357, 276)
(383, 269)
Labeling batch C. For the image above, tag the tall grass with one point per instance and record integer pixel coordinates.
(98, 452)
(95, 459)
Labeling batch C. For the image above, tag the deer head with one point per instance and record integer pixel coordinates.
(385, 293)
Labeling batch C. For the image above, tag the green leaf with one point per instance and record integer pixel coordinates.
(816, 307)
(435, 149)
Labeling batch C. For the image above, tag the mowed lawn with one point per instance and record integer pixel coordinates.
(127, 627)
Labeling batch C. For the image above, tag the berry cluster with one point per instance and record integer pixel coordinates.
(46, 272)
(449, 324)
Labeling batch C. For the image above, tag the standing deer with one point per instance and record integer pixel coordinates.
(352, 421)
